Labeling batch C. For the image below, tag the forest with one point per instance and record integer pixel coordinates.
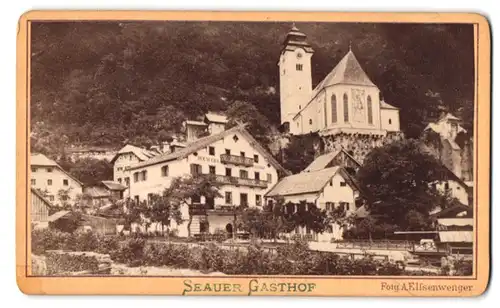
(108, 83)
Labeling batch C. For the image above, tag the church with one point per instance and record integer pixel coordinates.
(345, 101)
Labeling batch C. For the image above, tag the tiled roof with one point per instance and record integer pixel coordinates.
(216, 118)
(38, 159)
(301, 183)
(97, 192)
(322, 161)
(348, 70)
(112, 185)
(141, 153)
(204, 142)
(384, 105)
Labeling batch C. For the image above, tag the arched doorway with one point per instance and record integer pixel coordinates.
(229, 229)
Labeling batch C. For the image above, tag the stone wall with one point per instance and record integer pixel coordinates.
(358, 145)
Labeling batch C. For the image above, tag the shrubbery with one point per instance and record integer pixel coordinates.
(292, 259)
(58, 263)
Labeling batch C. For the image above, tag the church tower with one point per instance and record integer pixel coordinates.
(295, 74)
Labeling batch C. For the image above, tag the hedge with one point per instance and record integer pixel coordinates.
(58, 263)
(291, 259)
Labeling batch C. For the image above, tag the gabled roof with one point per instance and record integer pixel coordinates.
(302, 183)
(216, 118)
(38, 159)
(347, 71)
(322, 161)
(112, 185)
(197, 123)
(206, 141)
(97, 192)
(58, 215)
(384, 105)
(141, 153)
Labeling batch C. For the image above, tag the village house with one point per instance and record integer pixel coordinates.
(101, 153)
(328, 189)
(243, 168)
(58, 186)
(103, 194)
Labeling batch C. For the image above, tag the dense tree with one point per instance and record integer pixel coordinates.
(299, 152)
(399, 177)
(89, 171)
(164, 209)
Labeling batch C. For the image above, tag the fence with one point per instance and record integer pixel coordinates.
(377, 245)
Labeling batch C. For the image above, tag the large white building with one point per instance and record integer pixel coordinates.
(345, 101)
(243, 168)
(58, 186)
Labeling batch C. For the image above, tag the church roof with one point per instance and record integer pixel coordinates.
(384, 105)
(295, 38)
(347, 71)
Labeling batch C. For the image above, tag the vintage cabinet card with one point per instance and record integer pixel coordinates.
(257, 153)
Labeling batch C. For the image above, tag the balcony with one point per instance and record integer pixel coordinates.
(236, 160)
(231, 180)
(204, 209)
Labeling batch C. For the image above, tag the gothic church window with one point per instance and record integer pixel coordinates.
(325, 113)
(346, 108)
(310, 121)
(370, 111)
(390, 121)
(334, 109)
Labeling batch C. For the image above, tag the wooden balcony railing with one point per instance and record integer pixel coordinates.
(236, 160)
(232, 180)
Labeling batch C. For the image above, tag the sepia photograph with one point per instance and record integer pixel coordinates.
(247, 148)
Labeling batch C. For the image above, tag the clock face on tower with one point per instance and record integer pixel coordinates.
(299, 55)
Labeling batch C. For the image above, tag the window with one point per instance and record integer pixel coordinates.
(257, 176)
(49, 169)
(269, 177)
(196, 199)
(210, 203)
(195, 169)
(228, 171)
(458, 187)
(343, 184)
(310, 121)
(150, 198)
(136, 177)
(370, 110)
(49, 182)
(204, 226)
(127, 181)
(164, 171)
(244, 199)
(243, 174)
(256, 158)
(346, 108)
(298, 67)
(136, 198)
(34, 169)
(120, 180)
(228, 152)
(211, 151)
(334, 108)
(325, 113)
(51, 198)
(119, 168)
(144, 175)
(300, 106)
(64, 198)
(242, 154)
(258, 200)
(229, 197)
(33, 182)
(65, 182)
(329, 206)
(447, 186)
(211, 169)
(390, 121)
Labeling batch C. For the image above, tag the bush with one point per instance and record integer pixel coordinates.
(58, 263)
(47, 239)
(130, 252)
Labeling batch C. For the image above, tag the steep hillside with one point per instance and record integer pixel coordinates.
(108, 83)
